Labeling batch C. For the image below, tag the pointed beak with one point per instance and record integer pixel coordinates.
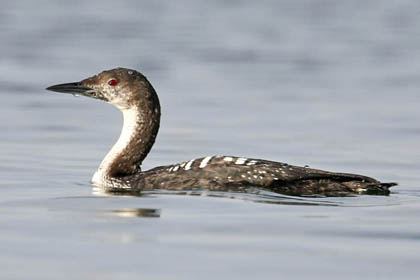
(73, 88)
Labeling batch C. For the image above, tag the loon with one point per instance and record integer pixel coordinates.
(133, 94)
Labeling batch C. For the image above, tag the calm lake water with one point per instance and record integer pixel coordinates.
(331, 84)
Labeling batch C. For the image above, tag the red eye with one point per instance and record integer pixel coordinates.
(113, 82)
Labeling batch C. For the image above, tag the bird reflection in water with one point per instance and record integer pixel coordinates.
(253, 195)
(137, 212)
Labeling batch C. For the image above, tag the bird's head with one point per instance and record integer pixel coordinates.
(121, 87)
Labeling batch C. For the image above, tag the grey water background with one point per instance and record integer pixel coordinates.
(331, 84)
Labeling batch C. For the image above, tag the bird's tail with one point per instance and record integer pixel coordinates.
(377, 188)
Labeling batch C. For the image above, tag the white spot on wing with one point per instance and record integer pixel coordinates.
(228, 159)
(204, 162)
(176, 168)
(188, 166)
(252, 162)
(241, 160)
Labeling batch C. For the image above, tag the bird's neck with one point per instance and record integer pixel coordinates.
(141, 125)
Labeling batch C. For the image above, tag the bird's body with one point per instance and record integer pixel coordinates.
(228, 173)
(132, 93)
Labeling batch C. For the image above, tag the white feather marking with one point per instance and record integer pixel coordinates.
(188, 166)
(176, 168)
(252, 162)
(204, 162)
(241, 160)
(228, 159)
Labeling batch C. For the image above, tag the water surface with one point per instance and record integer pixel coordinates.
(334, 85)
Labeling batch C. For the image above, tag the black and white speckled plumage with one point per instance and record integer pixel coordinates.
(132, 93)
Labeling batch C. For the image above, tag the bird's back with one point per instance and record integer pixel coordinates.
(227, 173)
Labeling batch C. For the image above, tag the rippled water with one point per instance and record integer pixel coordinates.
(331, 84)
